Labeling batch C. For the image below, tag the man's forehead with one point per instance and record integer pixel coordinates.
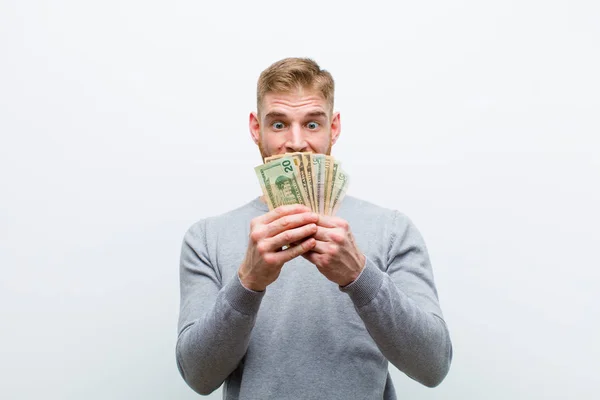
(296, 97)
(298, 101)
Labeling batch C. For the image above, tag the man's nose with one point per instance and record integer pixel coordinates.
(296, 140)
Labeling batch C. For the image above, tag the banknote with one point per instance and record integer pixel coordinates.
(319, 174)
(340, 187)
(315, 180)
(309, 175)
(299, 162)
(275, 157)
(335, 166)
(280, 183)
(328, 180)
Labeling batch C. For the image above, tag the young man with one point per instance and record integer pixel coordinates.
(321, 318)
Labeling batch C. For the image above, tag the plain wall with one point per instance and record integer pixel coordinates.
(124, 122)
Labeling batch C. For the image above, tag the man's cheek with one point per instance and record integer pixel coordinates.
(277, 144)
(320, 145)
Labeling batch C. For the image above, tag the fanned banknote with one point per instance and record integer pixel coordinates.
(319, 174)
(280, 183)
(315, 180)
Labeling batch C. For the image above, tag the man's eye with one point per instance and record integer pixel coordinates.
(278, 125)
(312, 125)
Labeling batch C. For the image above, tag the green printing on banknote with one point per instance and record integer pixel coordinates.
(299, 163)
(328, 206)
(314, 180)
(328, 181)
(319, 178)
(307, 163)
(339, 190)
(279, 180)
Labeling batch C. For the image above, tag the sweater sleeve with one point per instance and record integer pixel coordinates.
(400, 308)
(215, 319)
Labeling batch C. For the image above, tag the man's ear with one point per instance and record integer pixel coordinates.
(254, 126)
(336, 127)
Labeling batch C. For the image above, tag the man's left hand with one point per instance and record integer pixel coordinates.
(336, 254)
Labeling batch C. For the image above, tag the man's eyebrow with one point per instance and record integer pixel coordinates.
(317, 114)
(312, 114)
(275, 114)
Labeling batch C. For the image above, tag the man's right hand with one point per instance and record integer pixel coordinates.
(280, 227)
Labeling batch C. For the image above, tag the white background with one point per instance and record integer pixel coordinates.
(123, 122)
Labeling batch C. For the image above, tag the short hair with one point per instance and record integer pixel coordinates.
(289, 74)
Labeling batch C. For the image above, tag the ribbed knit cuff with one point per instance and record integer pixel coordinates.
(366, 286)
(243, 300)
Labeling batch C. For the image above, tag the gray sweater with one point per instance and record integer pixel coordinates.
(304, 337)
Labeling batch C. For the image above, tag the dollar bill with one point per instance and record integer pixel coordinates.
(280, 183)
(307, 162)
(339, 191)
(275, 157)
(328, 200)
(319, 172)
(315, 180)
(328, 181)
(299, 162)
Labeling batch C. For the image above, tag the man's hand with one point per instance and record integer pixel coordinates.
(335, 253)
(268, 234)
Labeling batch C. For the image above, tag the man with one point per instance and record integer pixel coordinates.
(319, 319)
